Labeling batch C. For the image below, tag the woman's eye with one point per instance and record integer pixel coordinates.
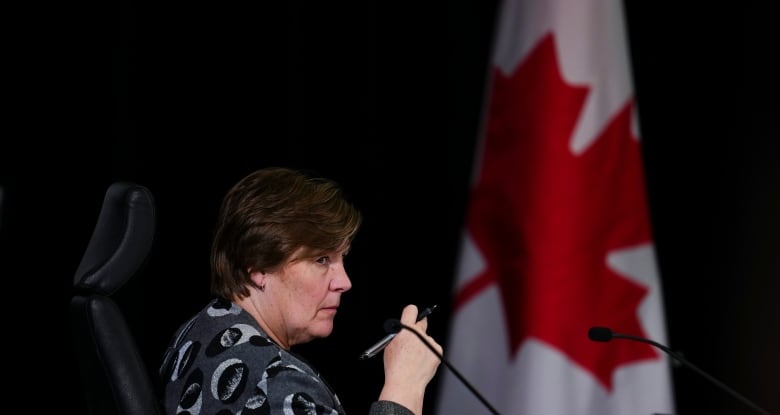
(324, 260)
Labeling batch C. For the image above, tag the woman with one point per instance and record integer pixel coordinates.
(277, 276)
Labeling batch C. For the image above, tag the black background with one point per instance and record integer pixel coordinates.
(187, 97)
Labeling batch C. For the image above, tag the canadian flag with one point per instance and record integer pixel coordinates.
(557, 236)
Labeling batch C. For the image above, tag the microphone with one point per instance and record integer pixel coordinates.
(605, 334)
(393, 326)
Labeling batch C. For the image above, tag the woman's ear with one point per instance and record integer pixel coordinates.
(258, 278)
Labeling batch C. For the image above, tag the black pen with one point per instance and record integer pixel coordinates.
(380, 345)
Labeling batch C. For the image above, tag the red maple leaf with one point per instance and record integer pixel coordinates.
(545, 219)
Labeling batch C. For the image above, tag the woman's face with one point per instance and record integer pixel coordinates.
(306, 294)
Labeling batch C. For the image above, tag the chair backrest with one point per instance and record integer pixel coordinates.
(114, 376)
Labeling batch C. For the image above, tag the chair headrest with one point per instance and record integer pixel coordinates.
(121, 240)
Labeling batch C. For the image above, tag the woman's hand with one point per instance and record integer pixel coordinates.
(409, 363)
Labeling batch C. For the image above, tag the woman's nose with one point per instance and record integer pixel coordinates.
(341, 281)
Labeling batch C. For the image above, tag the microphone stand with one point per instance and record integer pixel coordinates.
(450, 367)
(604, 334)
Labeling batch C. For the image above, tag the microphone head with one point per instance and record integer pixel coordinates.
(392, 325)
(600, 334)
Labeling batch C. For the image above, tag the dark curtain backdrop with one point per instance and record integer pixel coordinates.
(187, 97)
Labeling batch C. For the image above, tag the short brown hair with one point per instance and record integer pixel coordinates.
(269, 215)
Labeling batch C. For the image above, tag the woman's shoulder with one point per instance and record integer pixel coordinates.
(217, 329)
(226, 323)
(219, 335)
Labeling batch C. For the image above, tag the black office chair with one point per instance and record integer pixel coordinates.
(114, 376)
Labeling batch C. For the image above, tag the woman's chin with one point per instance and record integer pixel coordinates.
(321, 329)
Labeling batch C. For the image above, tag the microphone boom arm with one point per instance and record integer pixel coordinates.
(604, 334)
(451, 368)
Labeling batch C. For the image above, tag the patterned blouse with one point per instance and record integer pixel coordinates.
(221, 362)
